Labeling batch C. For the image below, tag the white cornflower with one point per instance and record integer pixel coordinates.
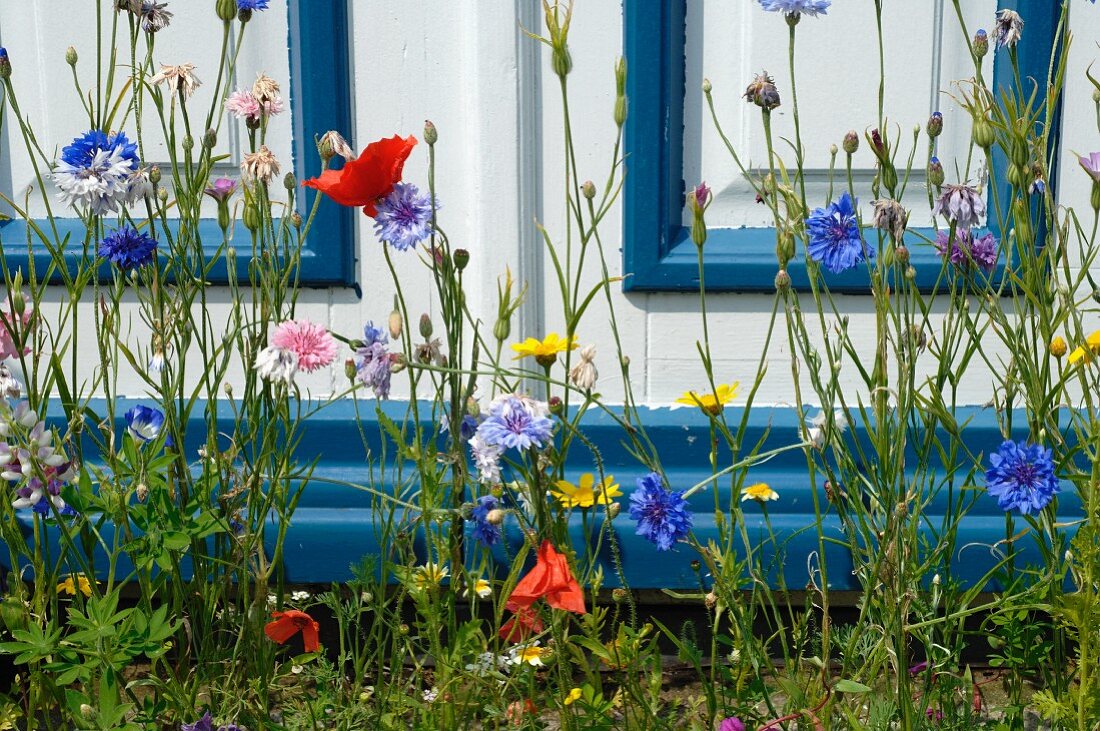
(276, 365)
(584, 374)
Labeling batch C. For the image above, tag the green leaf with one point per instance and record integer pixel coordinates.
(850, 686)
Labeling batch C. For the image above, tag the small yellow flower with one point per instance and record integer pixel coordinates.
(759, 492)
(584, 494)
(711, 403)
(574, 695)
(544, 351)
(1058, 347)
(430, 576)
(73, 583)
(527, 654)
(1085, 353)
(481, 587)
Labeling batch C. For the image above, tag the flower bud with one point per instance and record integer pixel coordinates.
(188, 143)
(5, 64)
(431, 134)
(707, 86)
(981, 43)
(425, 326)
(396, 324)
(226, 9)
(1058, 347)
(1095, 195)
(154, 175)
(588, 189)
(141, 492)
(502, 329)
(70, 56)
(210, 139)
(935, 172)
(833, 150)
(983, 133)
(618, 595)
(162, 194)
(251, 217)
(557, 408)
(784, 247)
(782, 280)
(290, 182)
(910, 274)
(495, 516)
(244, 15)
(461, 258)
(901, 255)
(935, 125)
(296, 219)
(613, 510)
(18, 302)
(349, 369)
(851, 142)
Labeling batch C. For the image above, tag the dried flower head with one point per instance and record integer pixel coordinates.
(180, 78)
(265, 89)
(584, 374)
(762, 92)
(260, 165)
(333, 143)
(890, 216)
(1008, 29)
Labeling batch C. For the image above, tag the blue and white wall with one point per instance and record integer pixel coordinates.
(469, 68)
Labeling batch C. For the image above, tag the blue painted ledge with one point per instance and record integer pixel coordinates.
(335, 525)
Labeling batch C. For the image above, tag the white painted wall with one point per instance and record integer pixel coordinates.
(469, 68)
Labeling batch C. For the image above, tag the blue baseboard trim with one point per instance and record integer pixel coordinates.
(334, 526)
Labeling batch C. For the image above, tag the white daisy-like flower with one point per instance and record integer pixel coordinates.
(817, 427)
(529, 654)
(95, 172)
(276, 365)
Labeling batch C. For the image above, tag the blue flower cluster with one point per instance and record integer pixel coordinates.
(663, 516)
(485, 532)
(834, 237)
(404, 217)
(127, 248)
(1021, 477)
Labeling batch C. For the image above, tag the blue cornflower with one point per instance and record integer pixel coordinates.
(99, 171)
(796, 7)
(404, 217)
(1021, 477)
(466, 429)
(144, 423)
(372, 334)
(834, 235)
(484, 531)
(663, 517)
(252, 4)
(127, 248)
(513, 422)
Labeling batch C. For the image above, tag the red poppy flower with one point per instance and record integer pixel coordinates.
(372, 175)
(524, 623)
(288, 623)
(550, 579)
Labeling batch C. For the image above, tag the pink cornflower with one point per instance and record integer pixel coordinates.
(244, 105)
(311, 343)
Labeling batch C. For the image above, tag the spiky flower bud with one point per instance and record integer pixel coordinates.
(296, 220)
(981, 43)
(210, 139)
(289, 181)
(154, 175)
(935, 125)
(782, 280)
(188, 143)
(935, 172)
(851, 142)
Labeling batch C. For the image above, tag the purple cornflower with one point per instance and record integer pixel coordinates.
(221, 189)
(466, 429)
(404, 217)
(372, 334)
(513, 422)
(1021, 477)
(95, 170)
(834, 237)
(1091, 165)
(961, 204)
(733, 723)
(206, 723)
(968, 250)
(484, 531)
(663, 517)
(796, 7)
(372, 367)
(127, 248)
(252, 4)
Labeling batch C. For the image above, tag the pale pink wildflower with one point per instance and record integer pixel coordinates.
(244, 105)
(311, 343)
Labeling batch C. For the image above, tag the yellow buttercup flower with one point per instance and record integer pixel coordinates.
(1091, 348)
(585, 494)
(73, 583)
(759, 492)
(544, 351)
(711, 403)
(574, 695)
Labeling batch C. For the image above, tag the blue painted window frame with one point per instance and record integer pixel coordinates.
(658, 254)
(320, 100)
